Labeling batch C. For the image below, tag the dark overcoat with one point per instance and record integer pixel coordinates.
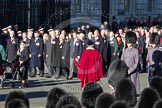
(54, 50)
(36, 48)
(98, 44)
(48, 49)
(66, 54)
(59, 55)
(11, 49)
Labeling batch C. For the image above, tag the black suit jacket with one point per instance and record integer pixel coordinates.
(11, 49)
(24, 55)
(78, 48)
(98, 44)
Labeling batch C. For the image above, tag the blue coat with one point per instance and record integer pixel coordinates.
(36, 48)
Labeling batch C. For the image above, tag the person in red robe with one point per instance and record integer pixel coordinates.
(90, 66)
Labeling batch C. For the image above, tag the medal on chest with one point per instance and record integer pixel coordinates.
(37, 43)
(77, 44)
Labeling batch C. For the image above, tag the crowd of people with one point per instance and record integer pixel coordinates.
(120, 53)
(93, 96)
(56, 51)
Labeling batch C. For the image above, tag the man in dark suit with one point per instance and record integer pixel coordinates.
(36, 51)
(83, 40)
(98, 41)
(112, 46)
(23, 56)
(12, 47)
(48, 49)
(51, 52)
(75, 52)
(105, 56)
(66, 53)
(54, 52)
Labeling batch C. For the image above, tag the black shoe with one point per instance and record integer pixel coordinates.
(70, 78)
(41, 74)
(57, 77)
(48, 76)
(21, 86)
(11, 85)
(32, 75)
(26, 85)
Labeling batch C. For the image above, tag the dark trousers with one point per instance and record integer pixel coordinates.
(65, 72)
(23, 72)
(35, 70)
(54, 71)
(104, 68)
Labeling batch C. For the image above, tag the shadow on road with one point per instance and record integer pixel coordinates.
(38, 83)
(30, 95)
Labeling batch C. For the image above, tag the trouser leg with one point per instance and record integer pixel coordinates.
(53, 71)
(49, 71)
(57, 74)
(64, 72)
(37, 70)
(32, 72)
(45, 68)
(71, 67)
(141, 63)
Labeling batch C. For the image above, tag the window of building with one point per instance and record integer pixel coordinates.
(151, 4)
(127, 5)
(94, 7)
(78, 6)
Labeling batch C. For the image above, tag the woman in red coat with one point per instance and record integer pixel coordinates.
(90, 66)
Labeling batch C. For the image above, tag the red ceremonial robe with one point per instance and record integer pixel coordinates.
(90, 67)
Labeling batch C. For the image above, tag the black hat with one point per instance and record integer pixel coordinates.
(154, 38)
(36, 32)
(131, 37)
(90, 43)
(114, 17)
(119, 104)
(17, 103)
(90, 93)
(68, 101)
(158, 104)
(148, 97)
(16, 94)
(53, 96)
(156, 83)
(104, 100)
(126, 91)
(117, 71)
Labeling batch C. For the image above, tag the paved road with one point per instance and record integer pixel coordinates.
(39, 88)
